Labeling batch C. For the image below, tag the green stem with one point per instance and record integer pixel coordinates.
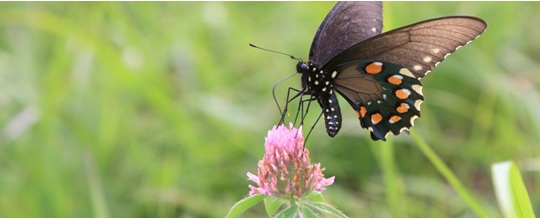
(447, 173)
(392, 182)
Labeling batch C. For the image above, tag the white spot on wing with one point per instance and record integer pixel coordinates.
(447, 54)
(334, 74)
(403, 129)
(417, 104)
(406, 72)
(417, 88)
(427, 59)
(374, 29)
(398, 77)
(417, 67)
(413, 118)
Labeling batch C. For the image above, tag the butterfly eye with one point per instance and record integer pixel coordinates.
(302, 67)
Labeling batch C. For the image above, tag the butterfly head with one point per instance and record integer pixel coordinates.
(302, 67)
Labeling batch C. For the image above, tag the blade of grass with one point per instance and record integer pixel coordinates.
(510, 190)
(393, 186)
(96, 189)
(448, 175)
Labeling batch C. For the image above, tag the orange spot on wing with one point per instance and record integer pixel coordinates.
(376, 118)
(374, 68)
(403, 93)
(394, 119)
(395, 80)
(403, 108)
(363, 111)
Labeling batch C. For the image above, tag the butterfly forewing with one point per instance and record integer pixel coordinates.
(347, 24)
(418, 47)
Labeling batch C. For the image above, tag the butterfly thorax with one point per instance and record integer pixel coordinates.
(320, 85)
(316, 81)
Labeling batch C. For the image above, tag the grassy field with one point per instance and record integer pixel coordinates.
(124, 109)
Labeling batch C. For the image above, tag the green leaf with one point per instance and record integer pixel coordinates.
(272, 204)
(510, 190)
(241, 206)
(307, 213)
(316, 196)
(289, 212)
(324, 207)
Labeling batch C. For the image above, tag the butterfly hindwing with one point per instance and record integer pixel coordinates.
(385, 96)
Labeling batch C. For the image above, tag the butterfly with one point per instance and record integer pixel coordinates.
(377, 73)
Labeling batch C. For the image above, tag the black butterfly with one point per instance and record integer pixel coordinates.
(378, 74)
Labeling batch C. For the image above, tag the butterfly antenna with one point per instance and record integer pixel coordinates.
(274, 91)
(274, 51)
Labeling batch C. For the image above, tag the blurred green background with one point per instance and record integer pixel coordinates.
(123, 109)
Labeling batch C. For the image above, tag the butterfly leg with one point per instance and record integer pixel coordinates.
(313, 126)
(303, 111)
(289, 100)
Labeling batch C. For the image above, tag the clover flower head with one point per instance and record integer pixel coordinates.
(286, 170)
